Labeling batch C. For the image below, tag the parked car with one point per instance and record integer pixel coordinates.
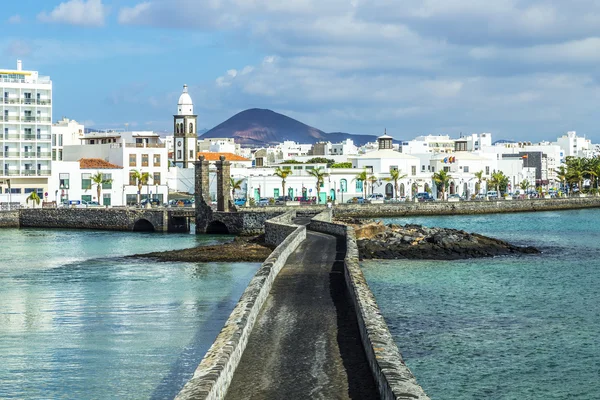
(375, 196)
(282, 199)
(239, 202)
(263, 201)
(153, 202)
(306, 200)
(454, 197)
(424, 196)
(492, 194)
(357, 200)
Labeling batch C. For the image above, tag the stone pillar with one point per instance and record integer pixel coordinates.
(202, 195)
(223, 184)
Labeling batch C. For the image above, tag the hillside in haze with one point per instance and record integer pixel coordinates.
(260, 127)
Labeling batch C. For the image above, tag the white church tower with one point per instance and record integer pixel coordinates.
(185, 132)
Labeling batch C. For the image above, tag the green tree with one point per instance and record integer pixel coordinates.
(283, 174)
(499, 181)
(362, 176)
(319, 174)
(442, 181)
(235, 184)
(291, 162)
(372, 180)
(342, 165)
(524, 185)
(321, 160)
(142, 179)
(593, 169)
(98, 180)
(395, 176)
(576, 171)
(35, 199)
(562, 174)
(480, 178)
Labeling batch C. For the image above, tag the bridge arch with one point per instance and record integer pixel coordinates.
(217, 227)
(143, 225)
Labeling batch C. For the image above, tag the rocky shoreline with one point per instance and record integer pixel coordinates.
(378, 241)
(241, 249)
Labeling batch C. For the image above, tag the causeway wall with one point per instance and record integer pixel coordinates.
(9, 219)
(393, 378)
(213, 376)
(463, 207)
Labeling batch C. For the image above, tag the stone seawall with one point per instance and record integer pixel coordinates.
(463, 207)
(393, 378)
(119, 219)
(213, 376)
(280, 227)
(9, 219)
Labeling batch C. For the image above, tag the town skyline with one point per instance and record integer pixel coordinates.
(522, 71)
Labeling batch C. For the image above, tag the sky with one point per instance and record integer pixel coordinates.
(520, 69)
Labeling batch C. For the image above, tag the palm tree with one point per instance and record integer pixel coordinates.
(35, 199)
(442, 179)
(319, 174)
(395, 176)
(480, 178)
(372, 180)
(362, 176)
(576, 171)
(142, 179)
(98, 180)
(235, 184)
(283, 174)
(524, 185)
(499, 181)
(594, 169)
(562, 175)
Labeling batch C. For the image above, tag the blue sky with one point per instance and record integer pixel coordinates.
(520, 69)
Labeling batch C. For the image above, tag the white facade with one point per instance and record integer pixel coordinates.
(185, 128)
(66, 132)
(142, 151)
(25, 133)
(574, 146)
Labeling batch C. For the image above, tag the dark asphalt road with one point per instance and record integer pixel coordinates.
(305, 344)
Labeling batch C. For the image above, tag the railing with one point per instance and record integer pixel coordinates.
(29, 137)
(44, 137)
(147, 145)
(13, 136)
(27, 172)
(29, 154)
(12, 154)
(40, 102)
(44, 154)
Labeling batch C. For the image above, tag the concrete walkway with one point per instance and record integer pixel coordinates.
(305, 344)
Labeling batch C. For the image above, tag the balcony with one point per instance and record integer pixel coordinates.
(12, 137)
(146, 145)
(28, 154)
(44, 154)
(41, 102)
(44, 137)
(29, 137)
(12, 154)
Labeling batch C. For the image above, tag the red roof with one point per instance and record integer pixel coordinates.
(212, 156)
(96, 163)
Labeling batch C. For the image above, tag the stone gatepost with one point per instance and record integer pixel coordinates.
(202, 195)
(223, 184)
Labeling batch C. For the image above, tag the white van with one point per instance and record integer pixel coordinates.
(492, 194)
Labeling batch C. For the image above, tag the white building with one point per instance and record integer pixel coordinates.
(574, 146)
(185, 132)
(25, 133)
(66, 132)
(140, 151)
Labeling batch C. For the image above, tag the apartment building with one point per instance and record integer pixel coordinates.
(25, 133)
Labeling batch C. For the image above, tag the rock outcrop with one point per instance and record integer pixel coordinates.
(378, 241)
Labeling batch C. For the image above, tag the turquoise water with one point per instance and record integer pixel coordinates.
(523, 327)
(79, 321)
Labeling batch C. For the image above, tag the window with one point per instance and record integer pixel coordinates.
(359, 185)
(86, 181)
(422, 168)
(53, 154)
(191, 127)
(179, 157)
(63, 181)
(144, 160)
(106, 199)
(60, 139)
(132, 180)
(59, 154)
(156, 178)
(287, 168)
(108, 178)
(131, 199)
(156, 160)
(446, 169)
(465, 169)
(133, 160)
(393, 168)
(487, 170)
(413, 170)
(86, 197)
(191, 154)
(344, 185)
(298, 167)
(275, 192)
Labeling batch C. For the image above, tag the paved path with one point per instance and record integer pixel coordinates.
(305, 344)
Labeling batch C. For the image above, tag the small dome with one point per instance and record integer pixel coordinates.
(185, 106)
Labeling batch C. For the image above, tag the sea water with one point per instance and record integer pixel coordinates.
(80, 321)
(514, 327)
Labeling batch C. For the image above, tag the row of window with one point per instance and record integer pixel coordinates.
(133, 160)
(39, 191)
(155, 178)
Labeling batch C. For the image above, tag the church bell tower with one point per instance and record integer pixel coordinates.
(185, 132)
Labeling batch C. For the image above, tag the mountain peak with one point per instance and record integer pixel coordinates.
(262, 127)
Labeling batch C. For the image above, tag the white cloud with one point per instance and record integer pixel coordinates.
(15, 19)
(77, 12)
(129, 15)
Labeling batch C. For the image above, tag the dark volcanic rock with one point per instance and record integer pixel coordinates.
(419, 242)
